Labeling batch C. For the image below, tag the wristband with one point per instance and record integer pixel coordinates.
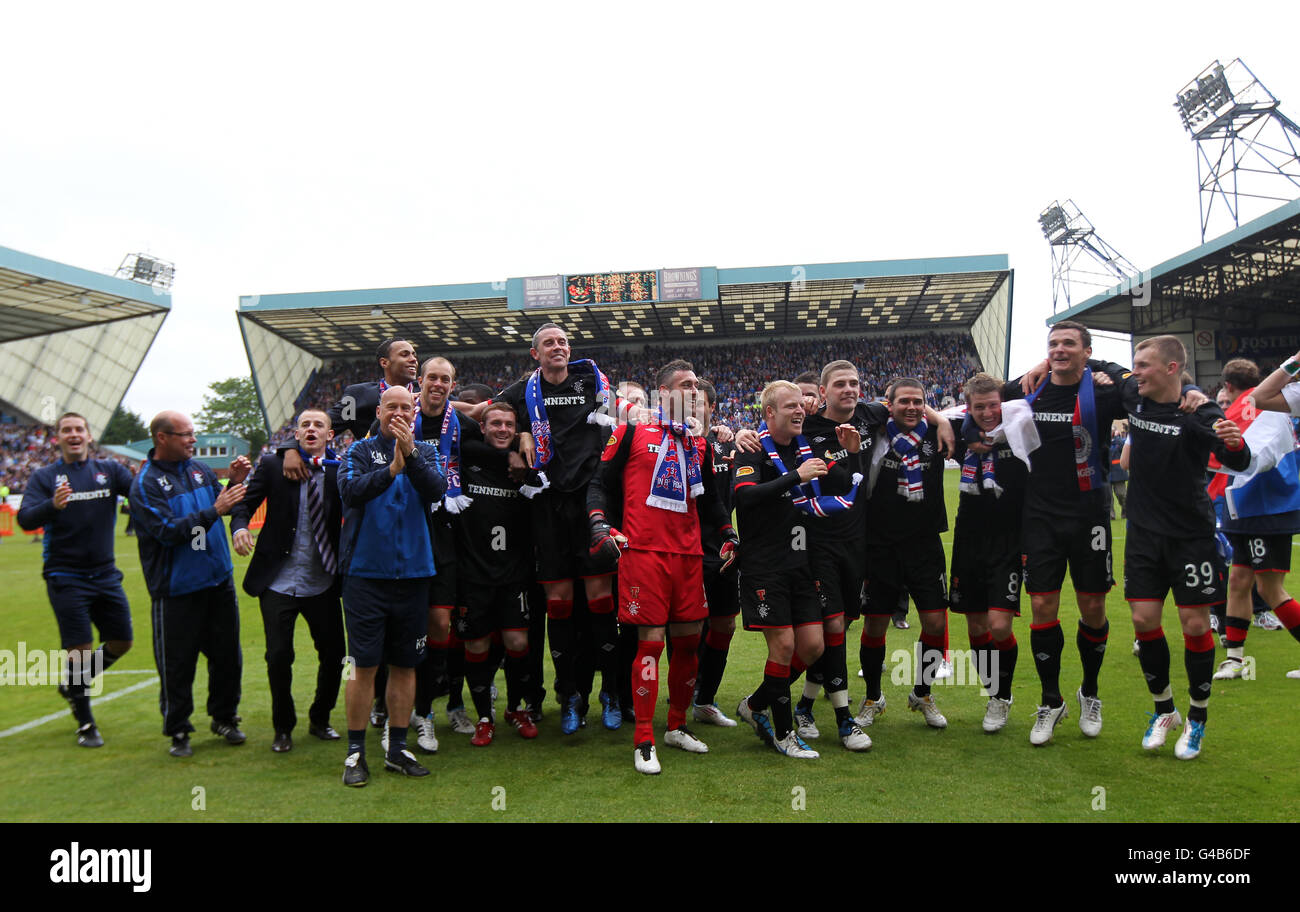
(1291, 366)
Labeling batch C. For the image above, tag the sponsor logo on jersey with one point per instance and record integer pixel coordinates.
(565, 400)
(1155, 427)
(744, 470)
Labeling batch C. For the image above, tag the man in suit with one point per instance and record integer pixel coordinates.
(294, 571)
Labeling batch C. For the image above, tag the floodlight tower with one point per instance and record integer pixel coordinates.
(1079, 255)
(1238, 127)
(147, 270)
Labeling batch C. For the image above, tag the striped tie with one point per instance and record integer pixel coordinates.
(316, 511)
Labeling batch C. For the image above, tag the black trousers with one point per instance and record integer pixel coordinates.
(324, 616)
(204, 622)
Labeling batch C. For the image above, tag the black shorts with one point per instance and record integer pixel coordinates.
(1261, 553)
(563, 538)
(387, 620)
(79, 602)
(986, 574)
(443, 589)
(784, 599)
(722, 593)
(915, 566)
(1191, 567)
(483, 609)
(839, 568)
(1081, 542)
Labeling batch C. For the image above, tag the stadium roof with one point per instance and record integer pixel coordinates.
(947, 292)
(71, 339)
(287, 336)
(39, 296)
(1250, 274)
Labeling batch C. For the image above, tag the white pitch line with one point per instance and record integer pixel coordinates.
(64, 714)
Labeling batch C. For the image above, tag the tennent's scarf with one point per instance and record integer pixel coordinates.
(678, 460)
(978, 463)
(535, 402)
(449, 450)
(1087, 458)
(908, 447)
(809, 497)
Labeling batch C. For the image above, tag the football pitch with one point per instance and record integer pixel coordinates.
(1247, 770)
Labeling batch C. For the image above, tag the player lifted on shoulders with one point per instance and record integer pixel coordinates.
(656, 480)
(1170, 542)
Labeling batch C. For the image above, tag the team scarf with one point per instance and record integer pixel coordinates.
(678, 459)
(449, 450)
(319, 462)
(412, 386)
(977, 463)
(1087, 458)
(808, 497)
(907, 444)
(535, 402)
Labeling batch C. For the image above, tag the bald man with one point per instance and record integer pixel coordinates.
(177, 503)
(387, 483)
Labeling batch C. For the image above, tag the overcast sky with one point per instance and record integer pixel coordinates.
(310, 147)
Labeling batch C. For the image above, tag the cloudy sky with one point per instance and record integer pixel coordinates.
(326, 146)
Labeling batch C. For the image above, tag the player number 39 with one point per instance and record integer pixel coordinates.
(1204, 578)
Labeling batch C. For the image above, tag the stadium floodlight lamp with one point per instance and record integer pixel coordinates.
(1053, 221)
(1201, 100)
(148, 270)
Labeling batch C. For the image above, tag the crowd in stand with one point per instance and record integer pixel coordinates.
(944, 361)
(24, 448)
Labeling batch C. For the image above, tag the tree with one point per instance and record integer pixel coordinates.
(230, 407)
(123, 427)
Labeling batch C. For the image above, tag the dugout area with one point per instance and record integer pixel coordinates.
(289, 337)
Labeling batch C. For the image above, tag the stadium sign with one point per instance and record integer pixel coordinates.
(647, 286)
(1279, 342)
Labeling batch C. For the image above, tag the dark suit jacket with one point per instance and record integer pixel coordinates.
(276, 538)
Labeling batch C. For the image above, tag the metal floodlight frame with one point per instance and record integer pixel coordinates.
(1079, 255)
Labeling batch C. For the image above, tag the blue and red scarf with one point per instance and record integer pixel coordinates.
(535, 402)
(977, 463)
(1087, 457)
(808, 497)
(449, 450)
(677, 468)
(907, 444)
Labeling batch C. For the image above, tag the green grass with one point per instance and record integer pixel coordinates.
(1246, 772)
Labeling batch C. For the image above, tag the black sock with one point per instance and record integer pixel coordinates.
(563, 640)
(713, 662)
(1200, 673)
(1153, 656)
(478, 673)
(425, 680)
(396, 741)
(1006, 668)
(778, 695)
(872, 659)
(834, 671)
(1047, 644)
(931, 655)
(518, 679)
(456, 676)
(1092, 649)
(356, 741)
(79, 678)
